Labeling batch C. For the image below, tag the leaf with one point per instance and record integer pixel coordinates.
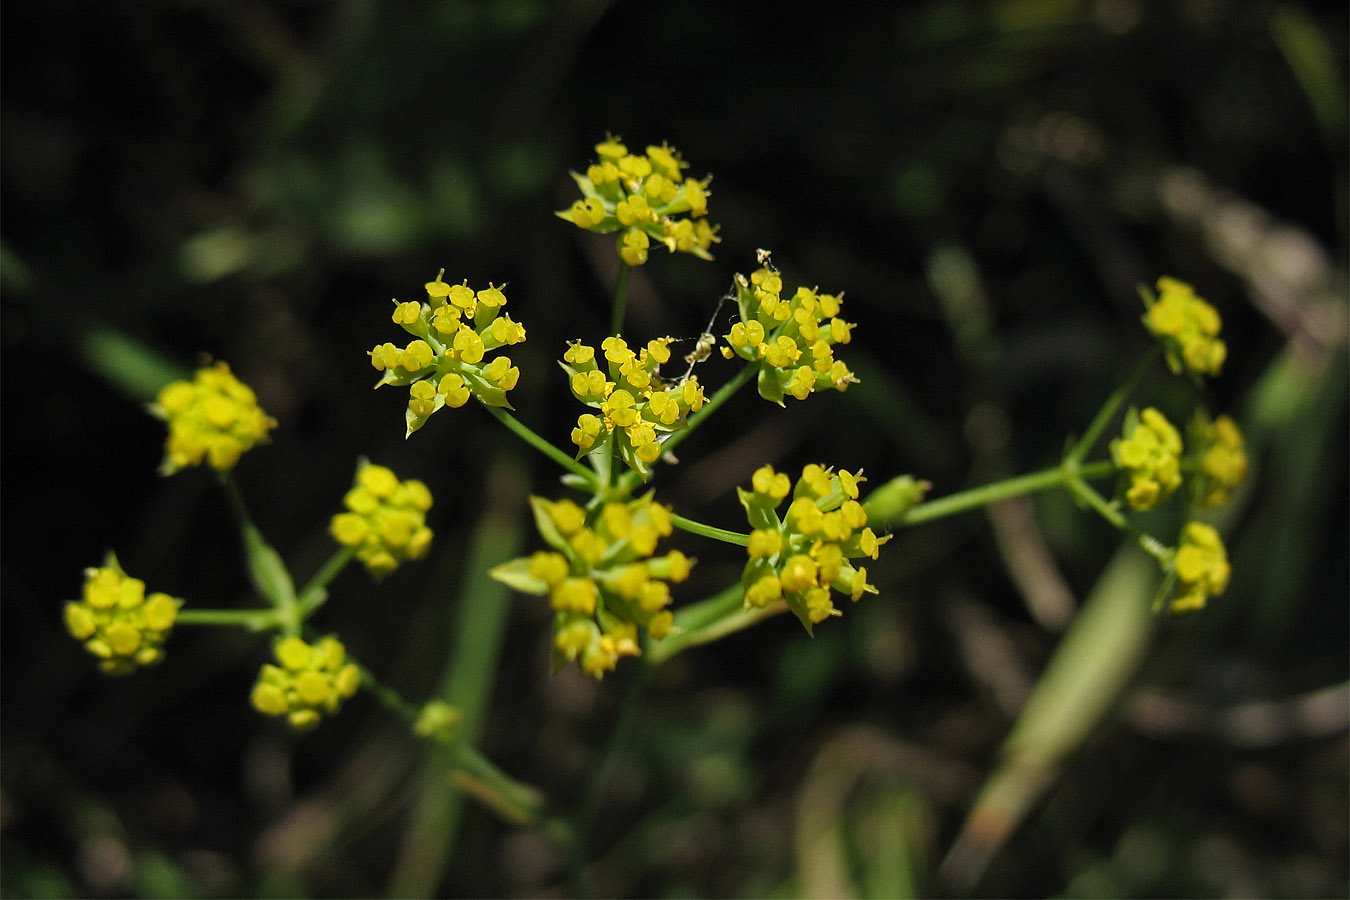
(515, 574)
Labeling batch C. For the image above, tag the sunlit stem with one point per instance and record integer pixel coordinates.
(620, 298)
(978, 497)
(709, 620)
(713, 403)
(524, 432)
(708, 531)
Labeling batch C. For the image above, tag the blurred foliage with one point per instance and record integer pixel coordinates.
(987, 181)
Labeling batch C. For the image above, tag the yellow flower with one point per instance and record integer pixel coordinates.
(1188, 326)
(118, 622)
(1201, 566)
(1150, 454)
(805, 554)
(631, 398)
(385, 520)
(453, 330)
(1222, 460)
(309, 682)
(215, 418)
(602, 578)
(646, 198)
(792, 339)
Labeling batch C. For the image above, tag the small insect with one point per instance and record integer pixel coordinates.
(704, 344)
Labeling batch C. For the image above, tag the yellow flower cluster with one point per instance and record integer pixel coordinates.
(453, 329)
(632, 402)
(793, 339)
(1188, 326)
(1150, 454)
(645, 197)
(1201, 566)
(213, 418)
(385, 520)
(601, 578)
(800, 557)
(1223, 459)
(311, 681)
(118, 623)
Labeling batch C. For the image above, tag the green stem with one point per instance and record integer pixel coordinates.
(1112, 406)
(523, 431)
(1112, 514)
(474, 637)
(315, 591)
(722, 395)
(515, 800)
(387, 697)
(252, 619)
(584, 820)
(983, 495)
(620, 298)
(708, 531)
(709, 620)
(265, 567)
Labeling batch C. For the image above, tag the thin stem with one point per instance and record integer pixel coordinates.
(1112, 406)
(722, 395)
(620, 297)
(513, 800)
(1112, 514)
(389, 698)
(584, 819)
(528, 436)
(983, 495)
(475, 637)
(265, 567)
(315, 591)
(711, 620)
(252, 619)
(708, 531)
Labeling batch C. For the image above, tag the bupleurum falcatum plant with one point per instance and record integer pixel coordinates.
(603, 563)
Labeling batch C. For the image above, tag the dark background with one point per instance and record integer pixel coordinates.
(988, 183)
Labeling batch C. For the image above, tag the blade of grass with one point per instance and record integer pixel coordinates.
(1094, 663)
(476, 639)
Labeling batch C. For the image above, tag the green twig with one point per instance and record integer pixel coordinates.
(387, 697)
(584, 820)
(722, 395)
(252, 619)
(709, 620)
(986, 494)
(713, 619)
(709, 531)
(1111, 407)
(523, 431)
(475, 637)
(265, 567)
(620, 298)
(1111, 513)
(315, 591)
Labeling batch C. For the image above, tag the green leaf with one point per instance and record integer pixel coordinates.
(266, 569)
(769, 386)
(543, 521)
(515, 574)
